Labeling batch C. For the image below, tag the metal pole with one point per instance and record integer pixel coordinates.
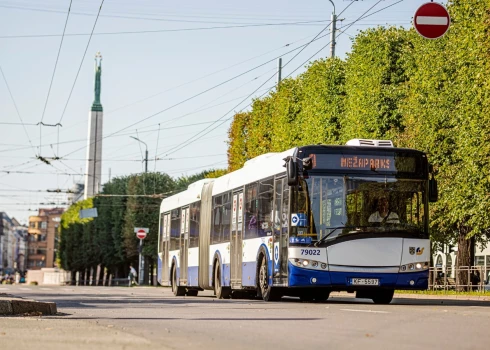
(332, 35)
(141, 264)
(279, 71)
(146, 160)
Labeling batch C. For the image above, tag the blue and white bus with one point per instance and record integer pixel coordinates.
(304, 222)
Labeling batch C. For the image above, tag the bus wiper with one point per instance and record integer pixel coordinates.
(324, 238)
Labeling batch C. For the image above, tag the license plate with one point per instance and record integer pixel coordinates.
(365, 281)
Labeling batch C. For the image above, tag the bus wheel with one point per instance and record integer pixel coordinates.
(220, 291)
(178, 291)
(192, 292)
(383, 296)
(267, 292)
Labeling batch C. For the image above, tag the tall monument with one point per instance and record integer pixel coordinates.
(94, 148)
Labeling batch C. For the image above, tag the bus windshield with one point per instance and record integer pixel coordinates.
(339, 206)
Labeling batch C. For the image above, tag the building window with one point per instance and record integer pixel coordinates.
(479, 260)
(44, 225)
(449, 262)
(439, 261)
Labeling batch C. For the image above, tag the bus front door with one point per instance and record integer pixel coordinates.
(184, 246)
(236, 242)
(280, 229)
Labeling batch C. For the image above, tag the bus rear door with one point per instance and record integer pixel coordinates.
(184, 246)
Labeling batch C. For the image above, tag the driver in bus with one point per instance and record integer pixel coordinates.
(384, 214)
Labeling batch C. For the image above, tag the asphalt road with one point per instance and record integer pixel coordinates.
(148, 317)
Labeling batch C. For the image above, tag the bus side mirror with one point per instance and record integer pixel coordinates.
(292, 172)
(433, 192)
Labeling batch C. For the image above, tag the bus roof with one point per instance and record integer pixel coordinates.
(260, 167)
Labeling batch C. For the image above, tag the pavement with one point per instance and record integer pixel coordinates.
(14, 305)
(147, 318)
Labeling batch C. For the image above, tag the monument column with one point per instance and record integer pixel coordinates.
(94, 148)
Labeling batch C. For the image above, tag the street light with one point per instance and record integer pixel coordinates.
(332, 33)
(146, 152)
(141, 262)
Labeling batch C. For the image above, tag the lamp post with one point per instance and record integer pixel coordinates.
(141, 264)
(332, 32)
(146, 152)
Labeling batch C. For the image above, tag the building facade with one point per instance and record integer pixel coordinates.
(20, 249)
(43, 238)
(446, 259)
(13, 238)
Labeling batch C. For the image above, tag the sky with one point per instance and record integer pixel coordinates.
(173, 75)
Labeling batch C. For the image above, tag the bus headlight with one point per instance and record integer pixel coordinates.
(308, 264)
(414, 267)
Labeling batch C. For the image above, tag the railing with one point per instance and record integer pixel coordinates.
(469, 278)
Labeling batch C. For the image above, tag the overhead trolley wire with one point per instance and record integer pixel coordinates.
(162, 30)
(192, 139)
(17, 110)
(190, 98)
(81, 63)
(56, 63)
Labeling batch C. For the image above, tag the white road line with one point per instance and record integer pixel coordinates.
(435, 21)
(46, 289)
(3, 288)
(24, 288)
(368, 311)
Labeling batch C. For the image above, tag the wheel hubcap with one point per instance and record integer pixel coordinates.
(263, 276)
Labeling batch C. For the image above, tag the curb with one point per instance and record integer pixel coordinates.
(17, 306)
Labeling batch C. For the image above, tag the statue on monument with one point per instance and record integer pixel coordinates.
(98, 72)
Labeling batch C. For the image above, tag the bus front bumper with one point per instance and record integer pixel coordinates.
(301, 277)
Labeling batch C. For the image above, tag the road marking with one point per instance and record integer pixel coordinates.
(46, 289)
(3, 288)
(369, 311)
(24, 288)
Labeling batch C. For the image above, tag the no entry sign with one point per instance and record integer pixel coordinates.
(141, 232)
(431, 20)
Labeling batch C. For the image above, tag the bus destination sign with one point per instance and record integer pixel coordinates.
(379, 163)
(367, 163)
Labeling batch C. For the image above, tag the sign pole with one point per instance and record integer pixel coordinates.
(141, 264)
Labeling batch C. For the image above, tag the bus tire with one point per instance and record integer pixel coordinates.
(383, 296)
(220, 291)
(178, 291)
(267, 292)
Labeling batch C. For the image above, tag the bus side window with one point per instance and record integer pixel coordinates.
(251, 214)
(266, 196)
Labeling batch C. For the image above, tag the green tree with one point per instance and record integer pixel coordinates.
(376, 80)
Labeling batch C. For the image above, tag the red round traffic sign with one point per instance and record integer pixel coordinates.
(141, 234)
(431, 20)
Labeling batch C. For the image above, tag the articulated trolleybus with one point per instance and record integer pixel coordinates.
(303, 223)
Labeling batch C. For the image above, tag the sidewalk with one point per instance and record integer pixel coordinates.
(11, 305)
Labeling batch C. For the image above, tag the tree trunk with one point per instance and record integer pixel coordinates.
(465, 258)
